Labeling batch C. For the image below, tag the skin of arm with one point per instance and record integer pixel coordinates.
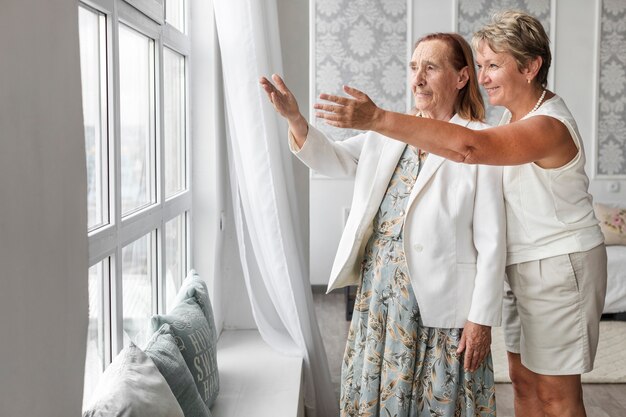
(286, 105)
(541, 139)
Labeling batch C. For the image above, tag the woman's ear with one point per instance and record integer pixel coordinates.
(463, 78)
(532, 67)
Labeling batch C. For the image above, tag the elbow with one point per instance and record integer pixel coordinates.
(469, 156)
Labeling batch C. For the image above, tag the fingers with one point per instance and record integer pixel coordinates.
(475, 353)
(474, 356)
(468, 358)
(280, 84)
(331, 108)
(329, 117)
(267, 86)
(332, 119)
(355, 93)
(344, 101)
(477, 341)
(477, 358)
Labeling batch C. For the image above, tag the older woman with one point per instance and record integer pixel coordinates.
(425, 244)
(556, 264)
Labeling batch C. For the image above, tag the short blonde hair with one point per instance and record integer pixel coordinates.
(521, 35)
(469, 105)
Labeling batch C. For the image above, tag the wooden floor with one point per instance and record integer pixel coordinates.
(601, 400)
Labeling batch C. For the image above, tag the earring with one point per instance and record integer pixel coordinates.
(528, 80)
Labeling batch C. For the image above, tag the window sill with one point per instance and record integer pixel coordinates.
(255, 380)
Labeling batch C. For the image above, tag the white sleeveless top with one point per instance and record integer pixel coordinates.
(549, 211)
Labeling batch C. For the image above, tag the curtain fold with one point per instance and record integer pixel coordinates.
(266, 215)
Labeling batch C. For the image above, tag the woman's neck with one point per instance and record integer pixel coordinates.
(527, 105)
(443, 115)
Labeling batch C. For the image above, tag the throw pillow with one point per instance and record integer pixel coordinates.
(196, 344)
(612, 223)
(163, 351)
(194, 287)
(132, 386)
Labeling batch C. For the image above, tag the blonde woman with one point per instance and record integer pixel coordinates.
(556, 263)
(424, 242)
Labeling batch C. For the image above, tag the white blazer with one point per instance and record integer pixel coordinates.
(454, 228)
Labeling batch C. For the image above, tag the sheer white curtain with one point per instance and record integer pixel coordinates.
(264, 196)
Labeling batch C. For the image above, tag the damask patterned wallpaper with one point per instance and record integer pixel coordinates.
(611, 158)
(361, 43)
(472, 14)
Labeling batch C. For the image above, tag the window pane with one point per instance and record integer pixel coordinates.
(93, 75)
(175, 256)
(137, 274)
(175, 13)
(94, 360)
(136, 119)
(174, 121)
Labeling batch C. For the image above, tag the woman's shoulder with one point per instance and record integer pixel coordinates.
(556, 108)
(555, 105)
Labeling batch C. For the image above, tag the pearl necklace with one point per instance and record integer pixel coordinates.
(534, 109)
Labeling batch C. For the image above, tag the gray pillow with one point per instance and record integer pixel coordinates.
(196, 344)
(194, 287)
(163, 351)
(132, 386)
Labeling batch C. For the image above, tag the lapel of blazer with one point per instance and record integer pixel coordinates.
(430, 167)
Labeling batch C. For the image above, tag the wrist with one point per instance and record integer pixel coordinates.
(378, 119)
(298, 125)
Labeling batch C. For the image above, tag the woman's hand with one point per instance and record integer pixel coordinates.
(286, 105)
(359, 112)
(283, 100)
(476, 342)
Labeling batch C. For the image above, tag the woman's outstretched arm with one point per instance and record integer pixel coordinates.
(541, 139)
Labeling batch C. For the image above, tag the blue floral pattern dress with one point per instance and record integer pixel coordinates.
(393, 366)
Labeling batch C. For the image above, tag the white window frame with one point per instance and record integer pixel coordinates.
(107, 241)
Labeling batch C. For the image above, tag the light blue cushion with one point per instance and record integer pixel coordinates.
(196, 344)
(194, 287)
(163, 351)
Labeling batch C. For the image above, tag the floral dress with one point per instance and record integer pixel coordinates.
(393, 366)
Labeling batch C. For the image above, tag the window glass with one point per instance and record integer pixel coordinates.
(137, 277)
(136, 119)
(174, 121)
(93, 74)
(175, 13)
(94, 360)
(175, 255)
(136, 153)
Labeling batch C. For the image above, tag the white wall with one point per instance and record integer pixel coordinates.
(43, 211)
